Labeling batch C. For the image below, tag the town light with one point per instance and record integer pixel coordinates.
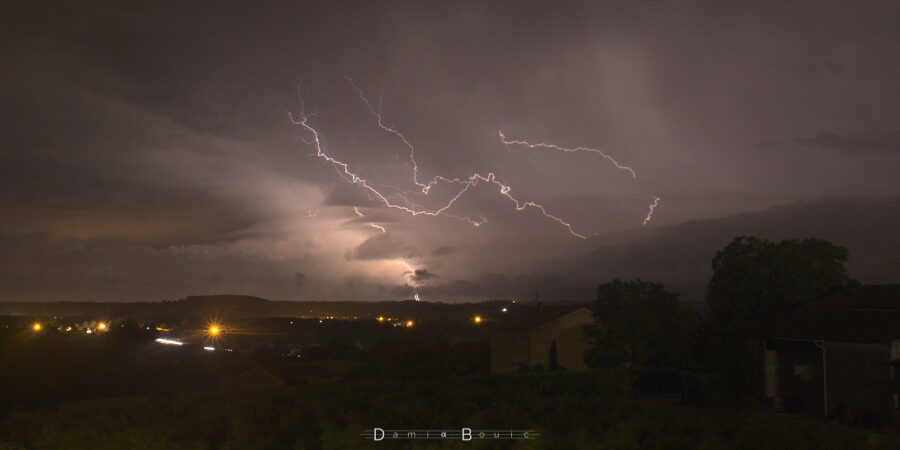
(381, 318)
(409, 323)
(36, 326)
(477, 319)
(101, 326)
(214, 330)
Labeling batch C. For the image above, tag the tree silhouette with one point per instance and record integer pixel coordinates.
(755, 277)
(639, 323)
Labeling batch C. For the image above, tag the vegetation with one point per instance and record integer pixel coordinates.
(570, 410)
(640, 324)
(755, 277)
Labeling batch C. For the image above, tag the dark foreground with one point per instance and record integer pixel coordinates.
(570, 410)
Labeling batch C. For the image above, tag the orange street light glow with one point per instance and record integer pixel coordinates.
(214, 330)
(477, 319)
(37, 327)
(101, 326)
(409, 323)
(381, 318)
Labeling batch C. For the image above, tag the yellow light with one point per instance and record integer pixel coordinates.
(37, 327)
(504, 310)
(381, 318)
(409, 323)
(477, 319)
(68, 328)
(213, 330)
(101, 326)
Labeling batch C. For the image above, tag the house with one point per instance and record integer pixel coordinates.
(837, 357)
(544, 337)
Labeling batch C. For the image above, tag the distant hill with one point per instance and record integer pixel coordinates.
(208, 307)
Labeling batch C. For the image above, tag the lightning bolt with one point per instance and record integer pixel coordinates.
(650, 213)
(410, 271)
(464, 183)
(531, 146)
(370, 224)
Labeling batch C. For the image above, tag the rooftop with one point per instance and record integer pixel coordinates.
(535, 317)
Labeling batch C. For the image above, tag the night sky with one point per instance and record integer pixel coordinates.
(149, 153)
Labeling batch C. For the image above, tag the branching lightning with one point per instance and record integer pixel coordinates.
(531, 146)
(464, 184)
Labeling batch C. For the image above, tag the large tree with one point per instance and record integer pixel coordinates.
(639, 323)
(755, 277)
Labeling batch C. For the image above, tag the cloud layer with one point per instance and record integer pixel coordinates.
(148, 151)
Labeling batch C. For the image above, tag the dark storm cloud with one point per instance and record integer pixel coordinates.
(865, 143)
(443, 251)
(834, 67)
(147, 149)
(421, 275)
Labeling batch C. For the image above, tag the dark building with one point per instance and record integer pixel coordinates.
(548, 337)
(836, 357)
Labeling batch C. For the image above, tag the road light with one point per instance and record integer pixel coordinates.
(36, 326)
(477, 319)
